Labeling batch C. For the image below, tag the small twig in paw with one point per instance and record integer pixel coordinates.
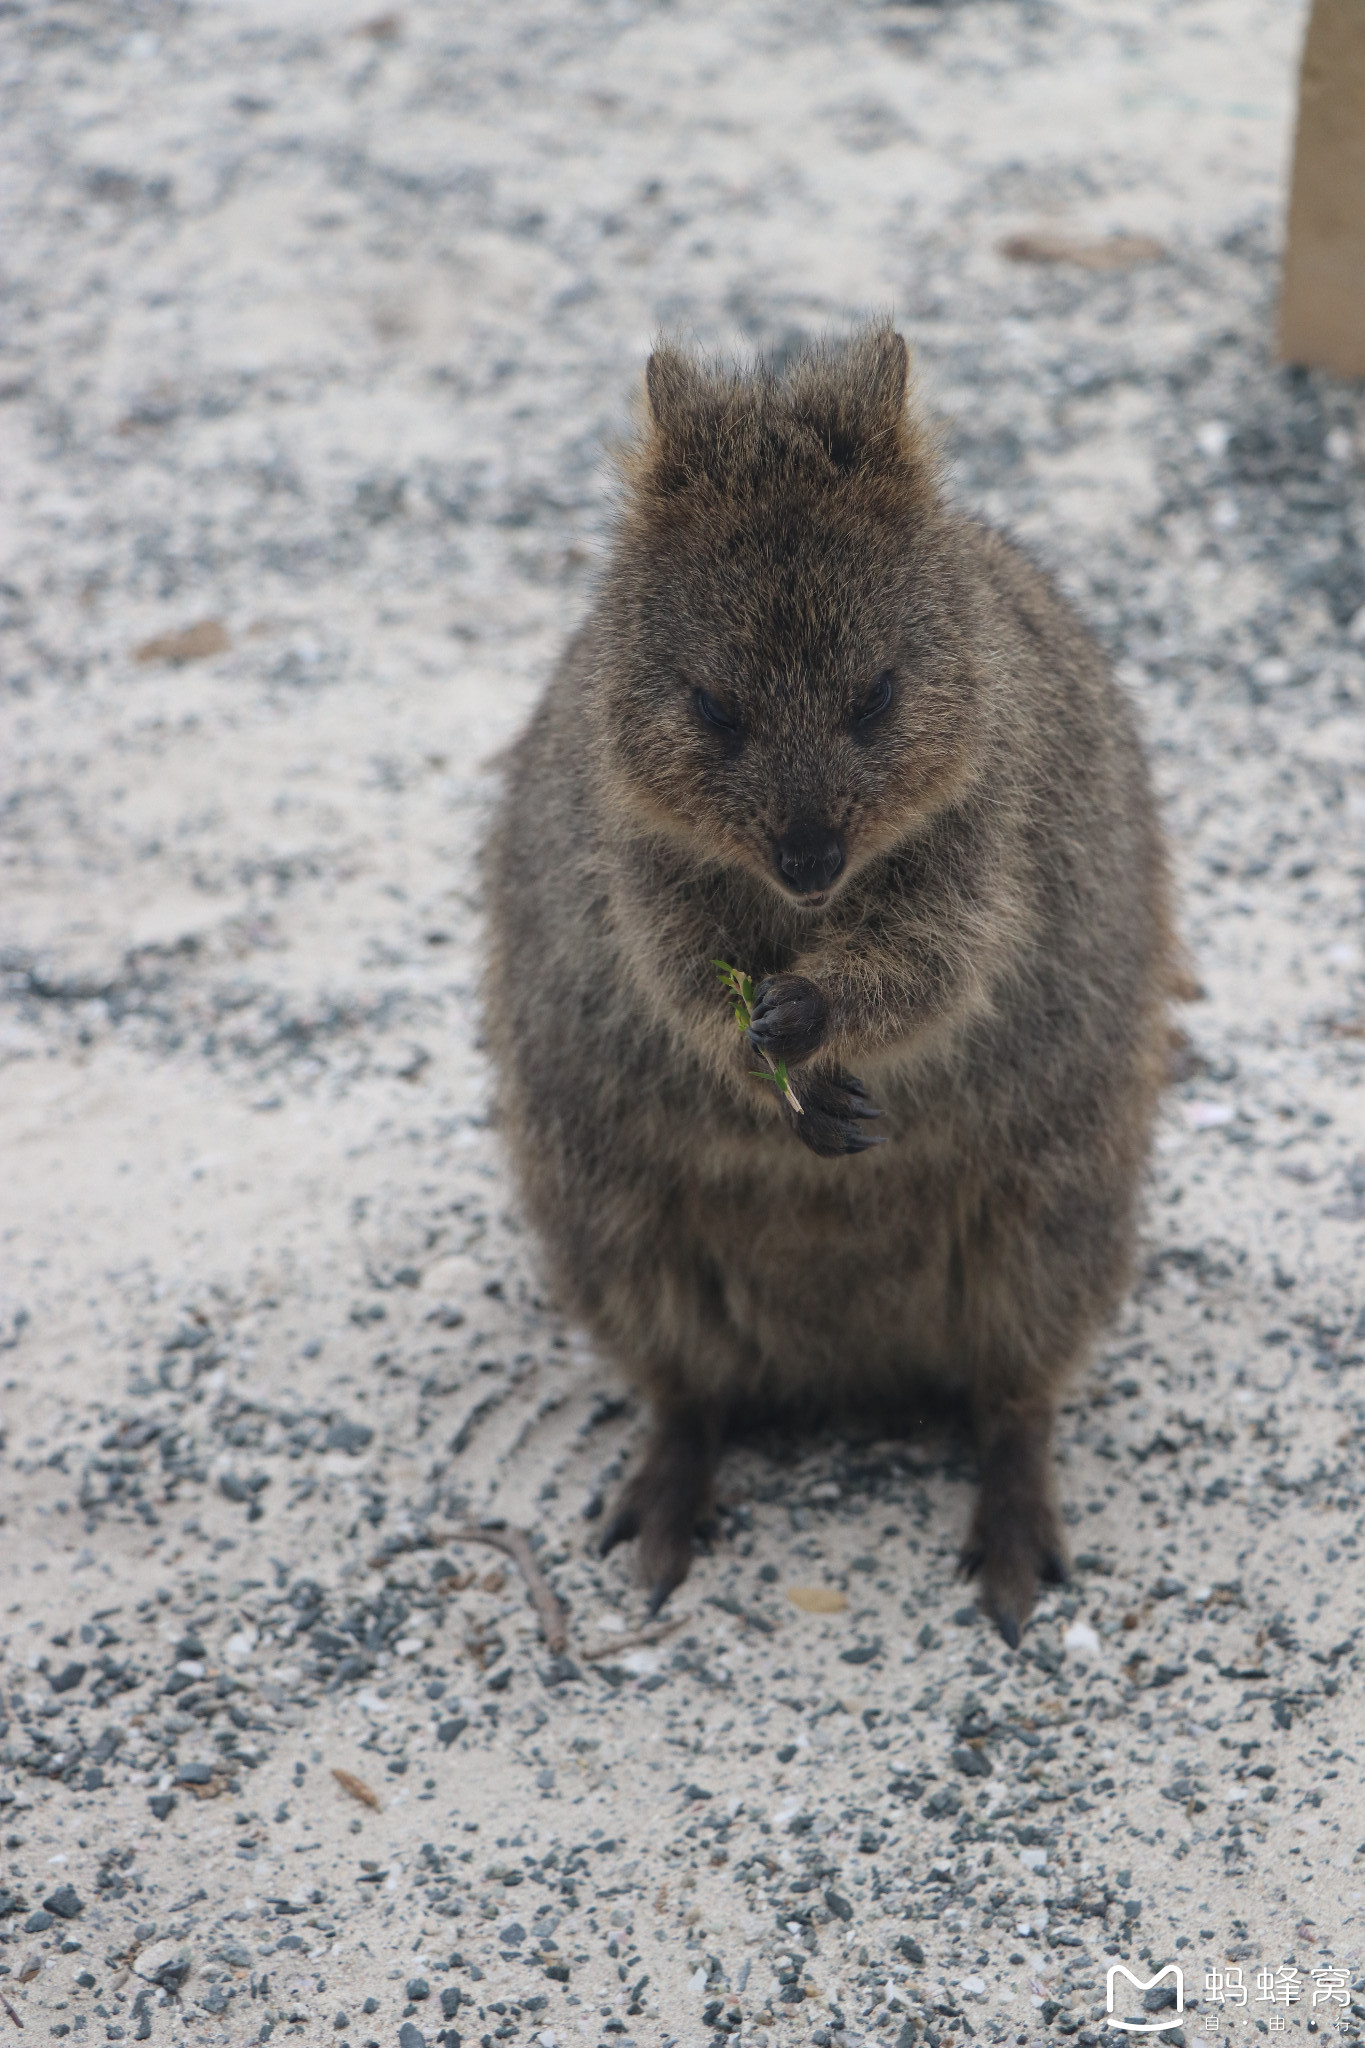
(739, 987)
(635, 1639)
(13, 2014)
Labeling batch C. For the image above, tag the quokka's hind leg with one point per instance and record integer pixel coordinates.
(1016, 1538)
(669, 1499)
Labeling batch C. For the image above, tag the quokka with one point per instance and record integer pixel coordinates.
(821, 725)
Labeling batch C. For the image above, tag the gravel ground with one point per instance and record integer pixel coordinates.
(316, 332)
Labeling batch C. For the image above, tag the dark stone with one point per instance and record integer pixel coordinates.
(911, 1950)
(162, 1804)
(68, 1678)
(410, 2036)
(838, 1906)
(973, 1763)
(194, 1774)
(862, 1653)
(352, 1437)
(65, 1902)
(233, 1488)
(559, 1671)
(450, 2001)
(418, 1988)
(37, 1923)
(447, 1731)
(93, 1779)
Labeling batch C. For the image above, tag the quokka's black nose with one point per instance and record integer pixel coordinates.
(809, 857)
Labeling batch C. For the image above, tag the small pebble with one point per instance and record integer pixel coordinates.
(348, 1436)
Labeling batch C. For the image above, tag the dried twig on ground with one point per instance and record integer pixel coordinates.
(193, 644)
(635, 1639)
(357, 1787)
(516, 1544)
(1091, 252)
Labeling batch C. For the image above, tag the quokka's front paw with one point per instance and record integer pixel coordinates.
(834, 1109)
(790, 1018)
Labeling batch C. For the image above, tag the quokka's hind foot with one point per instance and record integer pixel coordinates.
(1016, 1539)
(667, 1503)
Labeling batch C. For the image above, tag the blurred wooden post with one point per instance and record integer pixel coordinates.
(1322, 302)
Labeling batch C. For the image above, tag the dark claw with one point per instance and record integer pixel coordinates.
(860, 1141)
(1009, 1629)
(834, 1106)
(657, 1598)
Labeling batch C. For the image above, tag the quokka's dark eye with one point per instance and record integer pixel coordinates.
(714, 713)
(877, 700)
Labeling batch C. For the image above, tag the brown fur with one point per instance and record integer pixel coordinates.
(993, 958)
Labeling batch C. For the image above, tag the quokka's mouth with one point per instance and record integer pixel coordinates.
(808, 900)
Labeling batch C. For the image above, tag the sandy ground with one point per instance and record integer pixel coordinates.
(315, 335)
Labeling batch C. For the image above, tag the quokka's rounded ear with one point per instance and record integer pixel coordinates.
(853, 399)
(671, 382)
(888, 373)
